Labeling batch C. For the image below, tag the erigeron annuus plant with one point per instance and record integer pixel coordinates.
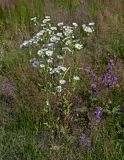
(53, 43)
(51, 46)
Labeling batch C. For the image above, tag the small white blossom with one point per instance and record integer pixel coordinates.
(46, 20)
(91, 24)
(75, 24)
(53, 28)
(67, 32)
(78, 46)
(87, 29)
(49, 53)
(68, 42)
(76, 78)
(33, 18)
(43, 25)
(60, 24)
(50, 44)
(59, 89)
(52, 71)
(60, 57)
(63, 68)
(40, 33)
(50, 61)
(24, 44)
(47, 103)
(62, 81)
(47, 17)
(59, 34)
(42, 65)
(57, 70)
(54, 39)
(39, 52)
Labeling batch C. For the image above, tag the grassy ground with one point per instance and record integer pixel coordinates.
(30, 129)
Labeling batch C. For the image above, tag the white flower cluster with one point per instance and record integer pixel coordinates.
(89, 28)
(54, 42)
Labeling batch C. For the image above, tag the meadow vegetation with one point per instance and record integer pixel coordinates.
(61, 80)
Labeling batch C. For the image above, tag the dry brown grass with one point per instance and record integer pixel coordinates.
(7, 3)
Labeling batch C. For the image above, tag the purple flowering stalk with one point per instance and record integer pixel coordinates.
(94, 78)
(84, 139)
(107, 79)
(91, 74)
(98, 114)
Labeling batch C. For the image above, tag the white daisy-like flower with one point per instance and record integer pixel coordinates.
(76, 78)
(46, 20)
(91, 24)
(33, 18)
(24, 44)
(60, 24)
(87, 29)
(67, 27)
(42, 65)
(60, 57)
(59, 34)
(56, 70)
(43, 25)
(54, 39)
(49, 53)
(50, 61)
(40, 52)
(59, 89)
(67, 32)
(40, 33)
(50, 44)
(52, 71)
(63, 68)
(84, 26)
(48, 30)
(75, 24)
(47, 17)
(62, 81)
(78, 46)
(53, 28)
(68, 42)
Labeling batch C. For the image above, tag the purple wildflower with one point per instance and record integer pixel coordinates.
(35, 63)
(98, 114)
(91, 74)
(107, 79)
(84, 140)
(48, 46)
(82, 136)
(95, 89)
